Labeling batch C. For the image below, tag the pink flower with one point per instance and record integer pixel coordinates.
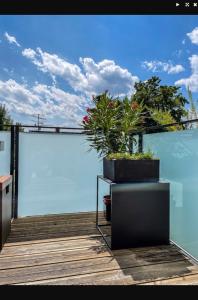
(111, 104)
(88, 109)
(85, 119)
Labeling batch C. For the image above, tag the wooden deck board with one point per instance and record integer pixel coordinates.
(67, 249)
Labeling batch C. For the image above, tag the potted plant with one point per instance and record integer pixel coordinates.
(109, 124)
(125, 167)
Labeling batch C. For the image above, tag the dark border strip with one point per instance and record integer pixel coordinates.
(76, 7)
(16, 177)
(12, 164)
(140, 143)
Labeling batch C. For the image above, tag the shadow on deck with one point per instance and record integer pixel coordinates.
(67, 249)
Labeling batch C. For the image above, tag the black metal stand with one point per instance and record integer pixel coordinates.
(108, 224)
(139, 214)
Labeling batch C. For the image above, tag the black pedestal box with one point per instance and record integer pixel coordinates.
(139, 214)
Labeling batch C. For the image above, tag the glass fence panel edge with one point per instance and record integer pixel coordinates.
(178, 154)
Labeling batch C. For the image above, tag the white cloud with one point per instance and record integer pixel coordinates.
(55, 104)
(191, 81)
(85, 79)
(175, 69)
(159, 66)
(57, 66)
(183, 42)
(193, 36)
(106, 75)
(90, 78)
(10, 89)
(61, 101)
(29, 53)
(11, 39)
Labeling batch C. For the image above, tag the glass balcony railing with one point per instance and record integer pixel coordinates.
(178, 154)
(57, 174)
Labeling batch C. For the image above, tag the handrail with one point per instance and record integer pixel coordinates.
(41, 126)
(86, 130)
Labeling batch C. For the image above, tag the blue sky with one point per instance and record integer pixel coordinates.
(53, 64)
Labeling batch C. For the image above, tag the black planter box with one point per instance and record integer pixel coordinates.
(126, 170)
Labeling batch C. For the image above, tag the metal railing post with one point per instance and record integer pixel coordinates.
(131, 141)
(140, 142)
(16, 175)
(12, 164)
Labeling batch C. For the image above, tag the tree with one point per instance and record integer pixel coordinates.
(192, 111)
(5, 118)
(161, 98)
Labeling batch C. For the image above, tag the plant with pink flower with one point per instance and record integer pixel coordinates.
(109, 124)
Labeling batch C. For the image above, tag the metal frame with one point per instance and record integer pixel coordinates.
(16, 177)
(140, 142)
(12, 167)
(97, 224)
(144, 130)
(195, 260)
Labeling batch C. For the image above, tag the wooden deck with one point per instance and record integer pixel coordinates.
(68, 250)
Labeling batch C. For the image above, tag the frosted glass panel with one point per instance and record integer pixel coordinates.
(4, 153)
(57, 174)
(178, 153)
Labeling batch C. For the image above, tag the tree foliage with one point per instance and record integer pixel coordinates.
(5, 118)
(162, 98)
(163, 118)
(110, 122)
(192, 112)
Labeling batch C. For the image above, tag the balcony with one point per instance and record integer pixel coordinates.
(66, 249)
(54, 240)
